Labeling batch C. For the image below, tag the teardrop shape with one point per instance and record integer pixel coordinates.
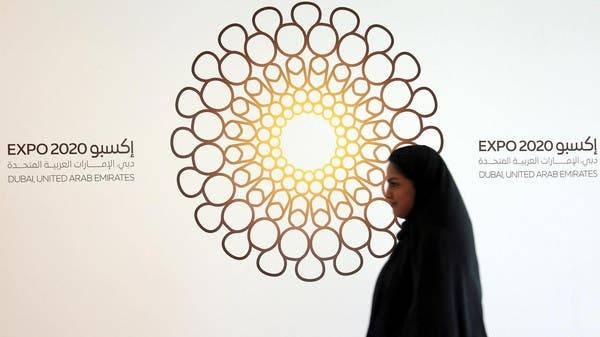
(233, 38)
(344, 20)
(208, 217)
(236, 245)
(306, 15)
(310, 268)
(424, 102)
(267, 20)
(348, 262)
(432, 137)
(206, 66)
(271, 262)
(382, 243)
(406, 67)
(380, 39)
(190, 182)
(183, 142)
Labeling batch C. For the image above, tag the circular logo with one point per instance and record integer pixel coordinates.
(287, 136)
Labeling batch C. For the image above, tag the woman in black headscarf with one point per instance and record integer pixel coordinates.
(430, 285)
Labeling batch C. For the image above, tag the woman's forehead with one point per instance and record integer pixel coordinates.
(392, 172)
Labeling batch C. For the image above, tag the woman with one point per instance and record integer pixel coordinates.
(430, 286)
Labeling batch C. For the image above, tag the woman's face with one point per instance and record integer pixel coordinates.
(400, 192)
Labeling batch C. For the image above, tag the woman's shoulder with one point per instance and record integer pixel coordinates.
(448, 242)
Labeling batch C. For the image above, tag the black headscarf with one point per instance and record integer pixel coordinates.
(429, 287)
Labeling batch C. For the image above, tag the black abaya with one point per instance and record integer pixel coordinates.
(429, 287)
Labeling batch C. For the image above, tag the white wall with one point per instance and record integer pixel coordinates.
(127, 259)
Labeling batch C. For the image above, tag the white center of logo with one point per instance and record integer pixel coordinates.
(308, 142)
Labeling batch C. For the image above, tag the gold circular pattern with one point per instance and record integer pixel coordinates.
(281, 68)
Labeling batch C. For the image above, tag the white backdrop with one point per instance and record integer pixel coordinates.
(126, 258)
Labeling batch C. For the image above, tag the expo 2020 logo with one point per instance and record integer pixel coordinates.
(288, 133)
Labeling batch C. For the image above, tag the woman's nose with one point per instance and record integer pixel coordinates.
(386, 193)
